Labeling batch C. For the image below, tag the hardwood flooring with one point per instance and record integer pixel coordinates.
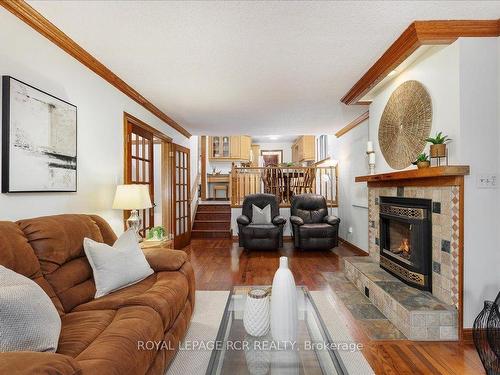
(220, 263)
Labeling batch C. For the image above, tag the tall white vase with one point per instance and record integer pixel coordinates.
(284, 311)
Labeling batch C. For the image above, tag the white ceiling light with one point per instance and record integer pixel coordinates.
(273, 137)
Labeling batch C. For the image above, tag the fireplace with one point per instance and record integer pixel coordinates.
(406, 239)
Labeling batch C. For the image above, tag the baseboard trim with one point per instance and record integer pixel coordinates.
(285, 238)
(353, 247)
(467, 336)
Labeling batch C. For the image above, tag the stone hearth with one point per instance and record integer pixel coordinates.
(417, 314)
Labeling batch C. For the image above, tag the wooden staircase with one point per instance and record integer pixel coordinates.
(212, 221)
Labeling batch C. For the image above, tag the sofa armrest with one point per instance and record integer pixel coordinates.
(279, 220)
(40, 363)
(295, 220)
(164, 259)
(243, 220)
(331, 219)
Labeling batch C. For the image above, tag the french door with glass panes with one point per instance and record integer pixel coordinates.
(139, 167)
(182, 196)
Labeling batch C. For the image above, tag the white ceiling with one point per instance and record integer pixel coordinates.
(247, 67)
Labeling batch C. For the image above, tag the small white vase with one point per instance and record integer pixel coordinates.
(284, 311)
(256, 315)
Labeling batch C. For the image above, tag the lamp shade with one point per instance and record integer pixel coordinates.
(132, 197)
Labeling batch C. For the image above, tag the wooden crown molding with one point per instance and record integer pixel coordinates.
(431, 172)
(31, 17)
(358, 120)
(418, 34)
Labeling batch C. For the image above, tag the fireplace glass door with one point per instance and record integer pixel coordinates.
(406, 239)
(400, 239)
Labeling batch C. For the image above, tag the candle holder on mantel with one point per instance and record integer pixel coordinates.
(371, 156)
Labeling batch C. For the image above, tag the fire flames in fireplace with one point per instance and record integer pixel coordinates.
(404, 249)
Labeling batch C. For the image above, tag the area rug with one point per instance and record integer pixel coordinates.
(373, 323)
(205, 324)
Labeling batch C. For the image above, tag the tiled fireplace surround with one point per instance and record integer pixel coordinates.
(440, 321)
(445, 233)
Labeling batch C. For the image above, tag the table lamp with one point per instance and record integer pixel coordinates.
(134, 198)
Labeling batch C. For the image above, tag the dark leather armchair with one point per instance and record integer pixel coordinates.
(312, 227)
(260, 236)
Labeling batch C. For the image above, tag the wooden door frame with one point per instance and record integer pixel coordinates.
(203, 140)
(176, 147)
(166, 142)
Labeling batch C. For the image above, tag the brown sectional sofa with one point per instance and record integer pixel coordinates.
(98, 336)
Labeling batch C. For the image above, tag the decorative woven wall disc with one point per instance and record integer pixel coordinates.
(405, 124)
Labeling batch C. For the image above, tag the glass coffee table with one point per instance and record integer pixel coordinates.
(236, 352)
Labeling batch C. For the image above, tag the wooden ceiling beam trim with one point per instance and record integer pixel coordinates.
(358, 120)
(31, 17)
(418, 34)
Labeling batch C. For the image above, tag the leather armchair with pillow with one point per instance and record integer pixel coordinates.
(254, 236)
(312, 227)
(103, 335)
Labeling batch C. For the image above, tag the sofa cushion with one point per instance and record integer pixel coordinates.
(17, 255)
(58, 245)
(309, 207)
(29, 363)
(108, 342)
(316, 230)
(165, 292)
(261, 231)
(80, 329)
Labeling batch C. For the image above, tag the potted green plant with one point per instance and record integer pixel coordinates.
(438, 146)
(422, 161)
(156, 233)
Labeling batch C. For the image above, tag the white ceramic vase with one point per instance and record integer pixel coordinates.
(284, 311)
(256, 315)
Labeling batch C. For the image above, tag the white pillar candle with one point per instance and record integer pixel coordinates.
(371, 159)
(369, 146)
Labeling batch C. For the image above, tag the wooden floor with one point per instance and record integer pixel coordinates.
(220, 263)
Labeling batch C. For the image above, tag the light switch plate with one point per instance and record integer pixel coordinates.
(487, 181)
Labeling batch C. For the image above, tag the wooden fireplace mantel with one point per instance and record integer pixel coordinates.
(414, 174)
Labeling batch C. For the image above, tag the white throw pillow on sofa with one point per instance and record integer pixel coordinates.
(118, 266)
(29, 320)
(261, 216)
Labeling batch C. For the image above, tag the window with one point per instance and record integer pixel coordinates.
(321, 147)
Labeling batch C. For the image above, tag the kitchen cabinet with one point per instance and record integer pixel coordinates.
(303, 149)
(234, 147)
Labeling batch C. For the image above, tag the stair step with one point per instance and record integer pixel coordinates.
(203, 207)
(212, 224)
(210, 233)
(212, 215)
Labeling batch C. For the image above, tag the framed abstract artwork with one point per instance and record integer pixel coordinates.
(39, 140)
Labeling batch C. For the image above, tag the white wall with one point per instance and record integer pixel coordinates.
(350, 152)
(29, 57)
(463, 81)
(437, 70)
(479, 144)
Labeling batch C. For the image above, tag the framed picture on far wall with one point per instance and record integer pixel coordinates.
(39, 140)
